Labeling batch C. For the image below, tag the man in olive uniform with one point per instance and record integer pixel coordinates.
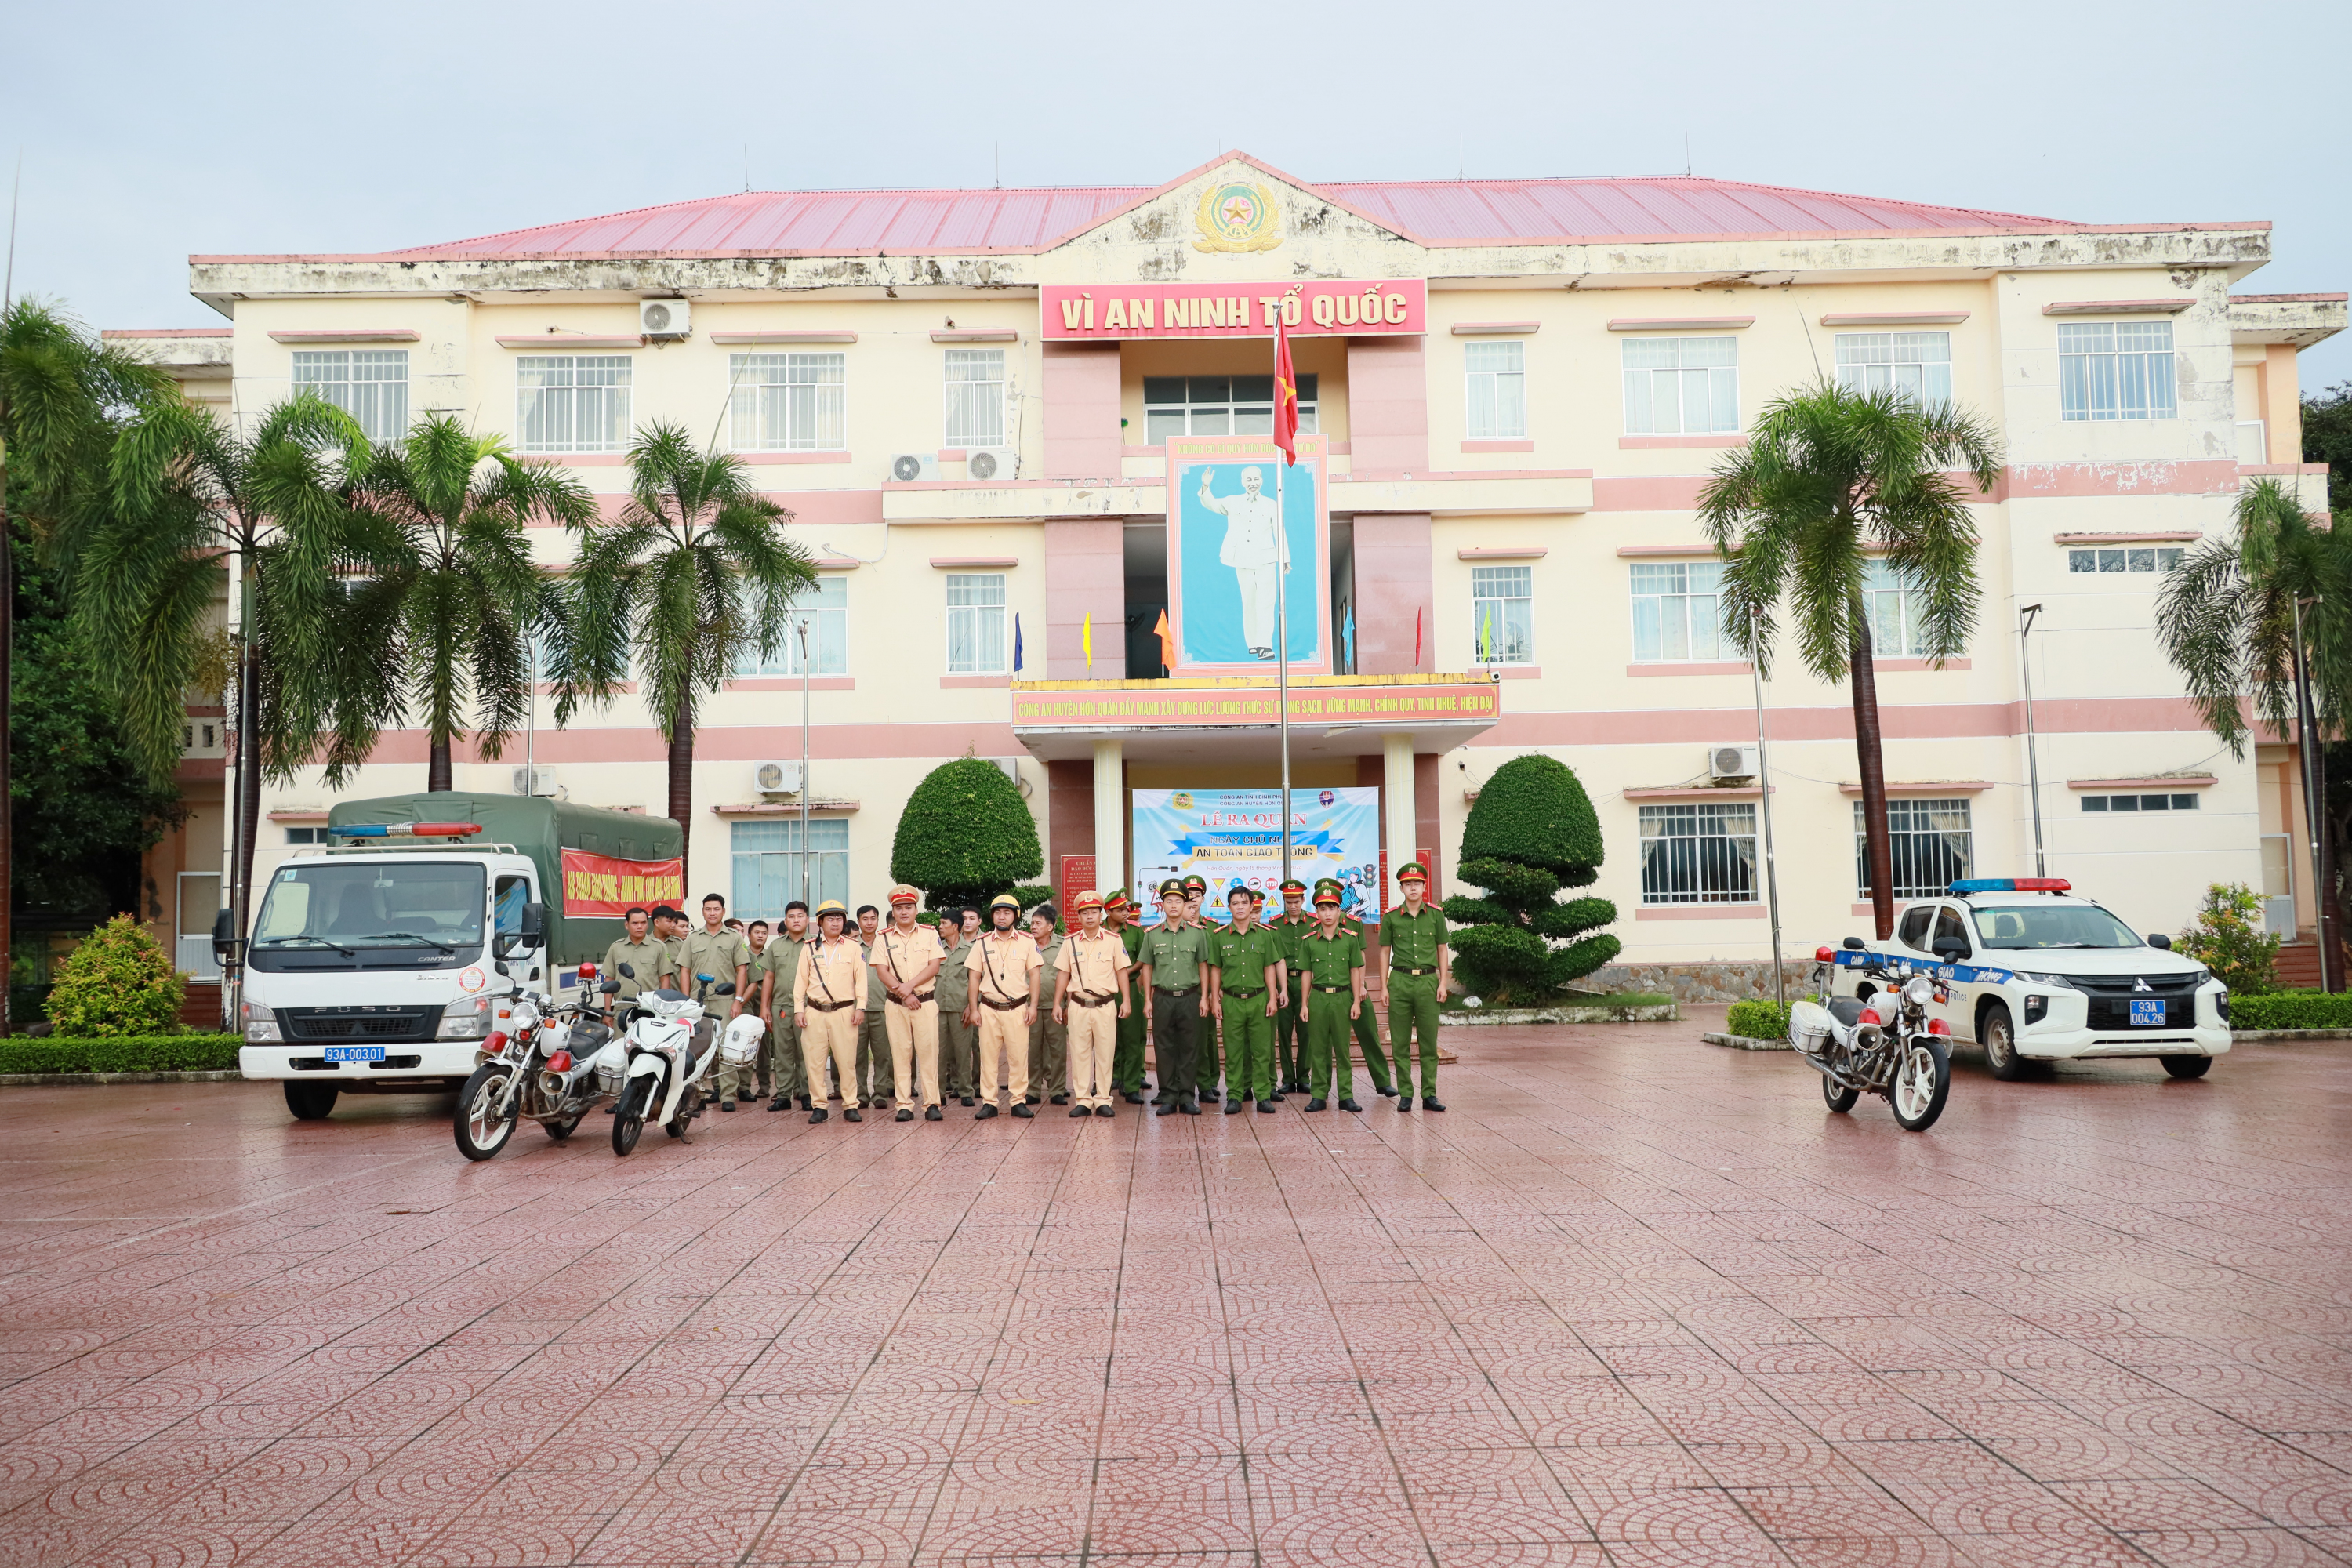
(958, 1041)
(640, 952)
(1170, 963)
(872, 1033)
(1049, 1037)
(778, 965)
(1289, 1038)
(726, 958)
(1366, 1027)
(1418, 978)
(1127, 1062)
(755, 936)
(1244, 981)
(1334, 961)
(669, 930)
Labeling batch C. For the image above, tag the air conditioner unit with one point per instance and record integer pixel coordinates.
(1009, 766)
(664, 318)
(535, 781)
(992, 463)
(1731, 762)
(777, 778)
(908, 466)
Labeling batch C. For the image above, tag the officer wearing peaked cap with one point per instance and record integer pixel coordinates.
(1289, 1039)
(1169, 963)
(1208, 1045)
(1415, 936)
(828, 985)
(1005, 966)
(1127, 1062)
(1333, 959)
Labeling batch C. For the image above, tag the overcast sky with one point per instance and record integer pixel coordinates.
(151, 132)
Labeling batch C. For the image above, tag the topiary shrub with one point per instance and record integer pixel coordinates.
(966, 836)
(1532, 832)
(117, 982)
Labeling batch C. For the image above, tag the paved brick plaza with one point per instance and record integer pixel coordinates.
(1632, 1300)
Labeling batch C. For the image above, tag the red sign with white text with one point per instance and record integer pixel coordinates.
(1115, 312)
(601, 886)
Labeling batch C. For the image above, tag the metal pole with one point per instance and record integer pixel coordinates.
(2033, 760)
(1282, 649)
(531, 724)
(2307, 733)
(1771, 870)
(808, 892)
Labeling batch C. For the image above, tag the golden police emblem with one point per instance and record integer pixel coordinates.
(1238, 216)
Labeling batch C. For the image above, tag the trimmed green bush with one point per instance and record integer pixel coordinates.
(2291, 1010)
(133, 1053)
(1757, 1020)
(119, 982)
(966, 836)
(1531, 832)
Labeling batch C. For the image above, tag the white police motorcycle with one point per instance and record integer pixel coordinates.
(1885, 1045)
(667, 1056)
(540, 1062)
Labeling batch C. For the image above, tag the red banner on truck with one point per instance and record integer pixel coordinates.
(599, 885)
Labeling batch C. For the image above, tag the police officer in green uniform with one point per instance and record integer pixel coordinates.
(1289, 1039)
(1049, 1041)
(1127, 1058)
(1418, 978)
(1244, 982)
(1209, 1054)
(958, 1041)
(1170, 960)
(669, 930)
(779, 962)
(725, 958)
(875, 1079)
(1366, 1027)
(1334, 962)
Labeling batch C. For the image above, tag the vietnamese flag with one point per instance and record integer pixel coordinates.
(1285, 395)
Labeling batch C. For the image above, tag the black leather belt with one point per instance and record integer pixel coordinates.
(1329, 990)
(1409, 969)
(816, 1007)
(1175, 990)
(1078, 1001)
(1246, 995)
(920, 997)
(1003, 1006)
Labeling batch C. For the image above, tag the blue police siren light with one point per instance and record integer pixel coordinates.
(2009, 885)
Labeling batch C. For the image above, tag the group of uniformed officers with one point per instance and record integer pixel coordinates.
(1255, 1009)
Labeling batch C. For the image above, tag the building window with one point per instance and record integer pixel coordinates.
(308, 836)
(976, 623)
(1893, 607)
(1930, 843)
(1916, 365)
(369, 385)
(768, 866)
(2132, 558)
(826, 606)
(1674, 612)
(1217, 405)
(2114, 370)
(1682, 386)
(2112, 803)
(1698, 854)
(573, 403)
(1496, 374)
(975, 397)
(789, 403)
(1502, 609)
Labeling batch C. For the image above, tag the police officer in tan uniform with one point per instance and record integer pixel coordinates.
(1004, 966)
(827, 987)
(908, 956)
(1092, 982)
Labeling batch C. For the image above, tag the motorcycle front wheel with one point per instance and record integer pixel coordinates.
(1922, 1082)
(1838, 1099)
(481, 1125)
(630, 1120)
(561, 1128)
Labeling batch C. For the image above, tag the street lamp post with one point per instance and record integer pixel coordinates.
(2032, 761)
(1772, 872)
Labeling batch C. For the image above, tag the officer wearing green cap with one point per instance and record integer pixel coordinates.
(1208, 1045)
(1289, 1038)
(1366, 1027)
(1244, 985)
(1334, 962)
(1127, 1060)
(1170, 959)
(1418, 978)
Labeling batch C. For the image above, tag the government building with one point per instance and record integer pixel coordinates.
(1024, 432)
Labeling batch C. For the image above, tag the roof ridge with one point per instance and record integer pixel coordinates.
(1699, 180)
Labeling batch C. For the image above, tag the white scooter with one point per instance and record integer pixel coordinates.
(668, 1057)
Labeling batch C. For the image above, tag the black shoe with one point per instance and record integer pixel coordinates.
(1103, 1110)
(1028, 1099)
(1061, 1099)
(1132, 1098)
(780, 1103)
(614, 1108)
(1168, 1108)
(1349, 1105)
(1428, 1102)
(852, 1115)
(1386, 1091)
(933, 1114)
(728, 1106)
(819, 1114)
(904, 1115)
(1277, 1097)
(1079, 1110)
(967, 1100)
(1208, 1096)
(1235, 1106)
(1023, 1110)
(1404, 1102)
(1316, 1104)
(1266, 1107)
(1188, 1106)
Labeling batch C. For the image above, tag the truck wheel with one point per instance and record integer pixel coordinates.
(2182, 1067)
(310, 1102)
(482, 1128)
(629, 1120)
(2001, 1044)
(1838, 1099)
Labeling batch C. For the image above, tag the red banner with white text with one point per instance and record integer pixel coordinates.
(602, 887)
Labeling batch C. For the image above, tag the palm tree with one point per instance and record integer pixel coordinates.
(451, 582)
(1830, 477)
(63, 395)
(2269, 613)
(695, 574)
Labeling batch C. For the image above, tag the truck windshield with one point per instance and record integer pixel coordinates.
(2053, 925)
(324, 906)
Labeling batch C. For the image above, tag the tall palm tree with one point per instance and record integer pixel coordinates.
(63, 395)
(694, 573)
(2268, 614)
(449, 579)
(1830, 477)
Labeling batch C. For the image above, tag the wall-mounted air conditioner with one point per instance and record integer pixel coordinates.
(1730, 763)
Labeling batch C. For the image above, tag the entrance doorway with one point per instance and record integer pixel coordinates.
(1147, 596)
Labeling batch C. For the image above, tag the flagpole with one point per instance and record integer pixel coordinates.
(1282, 647)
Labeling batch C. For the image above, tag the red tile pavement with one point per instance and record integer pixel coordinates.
(1633, 1300)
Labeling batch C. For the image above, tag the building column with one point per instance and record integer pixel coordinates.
(1398, 815)
(1110, 815)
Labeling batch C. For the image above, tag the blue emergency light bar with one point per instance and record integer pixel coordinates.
(2010, 884)
(409, 830)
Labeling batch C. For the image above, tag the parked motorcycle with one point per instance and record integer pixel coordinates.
(541, 1064)
(670, 1056)
(1884, 1044)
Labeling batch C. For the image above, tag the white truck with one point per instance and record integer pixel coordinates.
(2034, 974)
(378, 965)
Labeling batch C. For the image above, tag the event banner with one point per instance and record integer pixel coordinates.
(1235, 574)
(1233, 839)
(601, 886)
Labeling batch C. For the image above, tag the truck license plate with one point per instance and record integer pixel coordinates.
(2146, 1013)
(358, 1053)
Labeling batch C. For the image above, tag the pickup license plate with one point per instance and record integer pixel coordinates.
(369, 1052)
(2146, 1012)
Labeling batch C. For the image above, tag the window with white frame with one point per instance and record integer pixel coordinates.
(1916, 365)
(789, 402)
(573, 403)
(308, 836)
(369, 385)
(976, 623)
(825, 606)
(1682, 386)
(1217, 405)
(975, 392)
(1495, 374)
(2125, 558)
(1676, 616)
(1931, 844)
(1502, 614)
(768, 864)
(2114, 370)
(1892, 606)
(2115, 803)
(1698, 854)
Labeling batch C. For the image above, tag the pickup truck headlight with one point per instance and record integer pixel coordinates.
(466, 1020)
(260, 1024)
(2221, 1005)
(2059, 982)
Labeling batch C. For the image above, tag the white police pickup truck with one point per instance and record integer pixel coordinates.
(2033, 976)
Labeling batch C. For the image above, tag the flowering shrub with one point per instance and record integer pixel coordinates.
(117, 982)
(2229, 940)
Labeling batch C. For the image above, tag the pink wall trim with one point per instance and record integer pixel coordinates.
(2257, 469)
(1335, 449)
(564, 342)
(2186, 781)
(976, 683)
(783, 337)
(958, 563)
(1511, 671)
(792, 683)
(735, 743)
(765, 808)
(2197, 476)
(2281, 299)
(1913, 665)
(1674, 324)
(1395, 582)
(1388, 404)
(836, 508)
(1080, 411)
(2172, 305)
(2126, 537)
(756, 458)
(1716, 667)
(1658, 443)
(1930, 786)
(1498, 445)
(978, 336)
(1905, 722)
(1893, 318)
(168, 332)
(1489, 328)
(347, 335)
(1698, 911)
(1086, 574)
(1665, 550)
(1503, 552)
(1693, 792)
(581, 460)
